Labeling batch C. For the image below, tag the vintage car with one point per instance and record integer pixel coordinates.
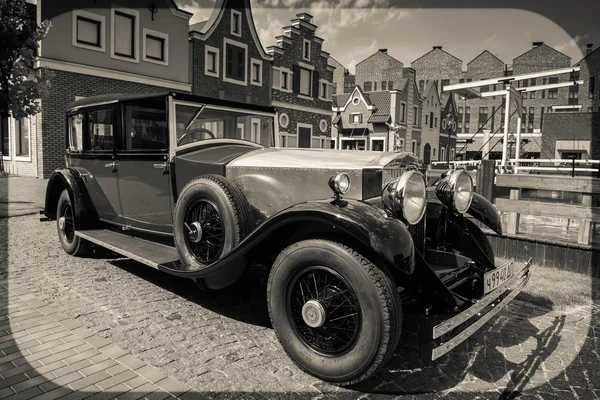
(199, 188)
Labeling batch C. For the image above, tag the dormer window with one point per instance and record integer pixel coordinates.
(236, 23)
(306, 50)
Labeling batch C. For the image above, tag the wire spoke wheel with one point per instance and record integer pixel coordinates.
(68, 228)
(324, 310)
(204, 237)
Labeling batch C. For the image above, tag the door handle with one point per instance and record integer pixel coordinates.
(161, 165)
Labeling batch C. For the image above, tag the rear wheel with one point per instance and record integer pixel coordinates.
(65, 224)
(336, 314)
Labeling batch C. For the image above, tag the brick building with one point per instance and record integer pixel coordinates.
(572, 135)
(302, 86)
(106, 47)
(339, 75)
(410, 112)
(440, 66)
(361, 120)
(589, 92)
(379, 71)
(430, 132)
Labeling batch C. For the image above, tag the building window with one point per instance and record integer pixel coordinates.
(235, 66)
(236, 23)
(356, 118)
(255, 130)
(442, 154)
(306, 50)
(323, 126)
(284, 120)
(415, 116)
(468, 110)
(367, 86)
(324, 91)
(426, 119)
(445, 82)
(421, 85)
(467, 126)
(256, 72)
(22, 137)
(156, 47)
(462, 80)
(402, 112)
(306, 82)
(592, 83)
(88, 30)
(211, 61)
(390, 85)
(553, 93)
(434, 151)
(124, 34)
(285, 80)
(374, 86)
(383, 85)
(436, 122)
(414, 147)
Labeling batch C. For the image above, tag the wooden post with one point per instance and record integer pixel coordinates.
(513, 217)
(585, 225)
(485, 179)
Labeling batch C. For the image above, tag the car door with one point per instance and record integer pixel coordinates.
(93, 132)
(143, 177)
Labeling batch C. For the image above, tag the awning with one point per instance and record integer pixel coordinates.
(355, 132)
(374, 119)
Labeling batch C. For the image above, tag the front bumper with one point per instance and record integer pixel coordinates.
(493, 301)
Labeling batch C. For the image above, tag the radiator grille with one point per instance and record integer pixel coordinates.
(389, 174)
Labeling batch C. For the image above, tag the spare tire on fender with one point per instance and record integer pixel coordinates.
(212, 216)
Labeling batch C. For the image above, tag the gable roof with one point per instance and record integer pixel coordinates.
(482, 53)
(379, 52)
(586, 56)
(335, 61)
(178, 12)
(432, 50)
(382, 102)
(205, 29)
(361, 94)
(543, 45)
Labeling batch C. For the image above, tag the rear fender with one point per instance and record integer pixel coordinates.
(69, 179)
(384, 236)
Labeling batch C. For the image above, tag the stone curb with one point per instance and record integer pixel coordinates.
(106, 347)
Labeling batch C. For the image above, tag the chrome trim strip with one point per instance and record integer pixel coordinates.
(464, 335)
(117, 250)
(453, 322)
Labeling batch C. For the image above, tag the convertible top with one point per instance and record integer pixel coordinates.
(124, 97)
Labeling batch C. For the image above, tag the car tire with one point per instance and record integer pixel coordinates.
(65, 225)
(370, 290)
(226, 220)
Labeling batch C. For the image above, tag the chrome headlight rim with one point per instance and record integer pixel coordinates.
(447, 190)
(395, 199)
(340, 183)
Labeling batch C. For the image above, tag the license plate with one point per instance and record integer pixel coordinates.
(495, 278)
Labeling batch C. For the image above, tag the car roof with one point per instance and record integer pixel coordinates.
(125, 97)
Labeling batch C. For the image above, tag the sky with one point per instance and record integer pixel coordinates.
(355, 29)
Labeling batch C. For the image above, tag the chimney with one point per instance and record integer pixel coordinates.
(383, 50)
(305, 17)
(536, 44)
(590, 48)
(437, 47)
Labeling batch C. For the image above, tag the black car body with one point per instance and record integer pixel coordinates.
(171, 180)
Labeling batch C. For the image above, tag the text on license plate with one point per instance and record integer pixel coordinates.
(495, 278)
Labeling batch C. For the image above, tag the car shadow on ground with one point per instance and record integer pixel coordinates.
(410, 371)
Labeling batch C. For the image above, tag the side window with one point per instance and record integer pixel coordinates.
(76, 132)
(100, 130)
(146, 128)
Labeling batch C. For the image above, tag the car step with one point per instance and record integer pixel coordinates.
(150, 253)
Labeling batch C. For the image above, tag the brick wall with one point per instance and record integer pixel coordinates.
(430, 134)
(215, 87)
(50, 146)
(377, 68)
(572, 126)
(338, 75)
(590, 68)
(438, 65)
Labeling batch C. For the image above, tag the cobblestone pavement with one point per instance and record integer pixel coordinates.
(222, 346)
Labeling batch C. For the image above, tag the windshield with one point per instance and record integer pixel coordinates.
(199, 122)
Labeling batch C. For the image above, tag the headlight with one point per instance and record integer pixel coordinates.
(456, 191)
(406, 197)
(340, 183)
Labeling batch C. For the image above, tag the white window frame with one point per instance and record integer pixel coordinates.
(239, 27)
(346, 139)
(442, 154)
(311, 71)
(136, 29)
(413, 144)
(329, 86)
(288, 120)
(308, 126)
(253, 62)
(352, 118)
(159, 35)
(402, 144)
(289, 80)
(227, 41)
(96, 17)
(403, 115)
(452, 154)
(304, 43)
(13, 135)
(288, 135)
(217, 52)
(276, 70)
(326, 125)
(252, 122)
(381, 139)
(241, 125)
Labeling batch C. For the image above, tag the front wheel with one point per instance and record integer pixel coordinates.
(336, 314)
(65, 224)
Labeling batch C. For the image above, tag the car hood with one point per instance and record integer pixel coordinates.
(323, 159)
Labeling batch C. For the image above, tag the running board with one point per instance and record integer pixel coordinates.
(144, 251)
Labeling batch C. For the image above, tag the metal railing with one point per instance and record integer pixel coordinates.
(531, 165)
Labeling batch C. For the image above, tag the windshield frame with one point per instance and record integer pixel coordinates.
(202, 106)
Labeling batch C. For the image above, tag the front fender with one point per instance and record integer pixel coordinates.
(69, 179)
(483, 210)
(385, 236)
